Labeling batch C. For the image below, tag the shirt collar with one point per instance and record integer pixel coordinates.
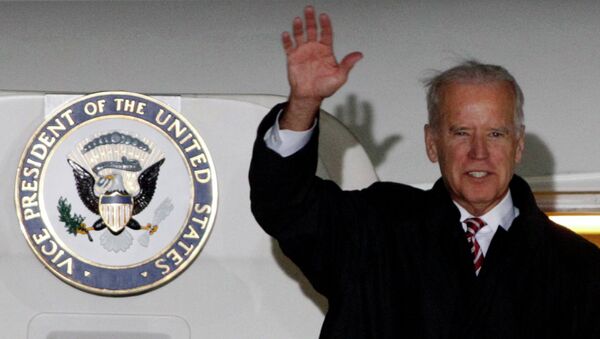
(502, 214)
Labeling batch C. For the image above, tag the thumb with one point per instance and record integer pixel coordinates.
(349, 61)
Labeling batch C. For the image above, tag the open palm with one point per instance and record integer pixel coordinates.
(313, 71)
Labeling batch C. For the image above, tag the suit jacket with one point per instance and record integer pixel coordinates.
(394, 262)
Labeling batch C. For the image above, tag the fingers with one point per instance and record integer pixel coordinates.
(310, 28)
(298, 31)
(326, 30)
(286, 41)
(311, 23)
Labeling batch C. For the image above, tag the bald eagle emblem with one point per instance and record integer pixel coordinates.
(116, 188)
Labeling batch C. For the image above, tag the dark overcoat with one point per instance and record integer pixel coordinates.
(393, 260)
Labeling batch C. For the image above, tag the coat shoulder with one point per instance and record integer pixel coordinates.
(573, 247)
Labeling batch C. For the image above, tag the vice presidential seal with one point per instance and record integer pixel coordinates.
(116, 193)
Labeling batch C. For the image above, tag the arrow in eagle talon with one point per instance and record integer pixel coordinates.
(85, 230)
(151, 229)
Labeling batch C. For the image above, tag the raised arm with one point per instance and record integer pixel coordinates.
(313, 71)
(303, 212)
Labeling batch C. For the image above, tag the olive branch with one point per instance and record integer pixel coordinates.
(73, 223)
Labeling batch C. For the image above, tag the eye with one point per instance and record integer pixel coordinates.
(497, 134)
(460, 133)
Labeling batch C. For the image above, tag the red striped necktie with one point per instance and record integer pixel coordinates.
(473, 226)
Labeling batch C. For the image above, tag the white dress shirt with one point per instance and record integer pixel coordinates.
(501, 215)
(286, 142)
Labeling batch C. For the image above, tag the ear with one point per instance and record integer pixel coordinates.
(520, 146)
(430, 143)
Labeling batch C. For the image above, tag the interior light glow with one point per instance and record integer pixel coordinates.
(580, 223)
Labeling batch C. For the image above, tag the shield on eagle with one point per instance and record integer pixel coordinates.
(116, 210)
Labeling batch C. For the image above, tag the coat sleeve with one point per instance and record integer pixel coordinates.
(314, 221)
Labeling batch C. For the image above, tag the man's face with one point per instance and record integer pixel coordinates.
(477, 143)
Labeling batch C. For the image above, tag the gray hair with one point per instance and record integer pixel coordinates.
(471, 71)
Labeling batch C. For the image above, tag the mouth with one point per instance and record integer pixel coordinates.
(478, 174)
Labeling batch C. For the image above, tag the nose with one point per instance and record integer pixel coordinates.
(479, 148)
